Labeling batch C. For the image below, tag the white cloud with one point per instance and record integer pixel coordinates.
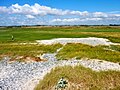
(37, 9)
(66, 20)
(72, 20)
(93, 19)
(100, 14)
(38, 14)
(85, 13)
(4, 9)
(30, 16)
(115, 15)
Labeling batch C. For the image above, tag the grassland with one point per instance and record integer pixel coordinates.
(81, 78)
(28, 50)
(108, 53)
(32, 34)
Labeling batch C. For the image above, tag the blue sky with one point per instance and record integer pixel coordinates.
(31, 12)
(82, 5)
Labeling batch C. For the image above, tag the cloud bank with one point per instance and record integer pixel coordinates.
(38, 14)
(37, 9)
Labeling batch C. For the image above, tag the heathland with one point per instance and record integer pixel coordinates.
(24, 45)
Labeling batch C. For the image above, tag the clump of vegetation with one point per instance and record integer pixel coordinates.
(80, 78)
(113, 47)
(85, 51)
(27, 50)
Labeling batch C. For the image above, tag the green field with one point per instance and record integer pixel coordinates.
(34, 33)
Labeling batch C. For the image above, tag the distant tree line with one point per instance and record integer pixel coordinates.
(114, 24)
(58, 25)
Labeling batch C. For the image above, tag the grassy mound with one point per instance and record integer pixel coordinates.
(81, 78)
(85, 51)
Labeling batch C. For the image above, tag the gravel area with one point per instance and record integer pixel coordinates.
(90, 41)
(16, 75)
(25, 76)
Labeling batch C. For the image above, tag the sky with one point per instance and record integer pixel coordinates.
(59, 12)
